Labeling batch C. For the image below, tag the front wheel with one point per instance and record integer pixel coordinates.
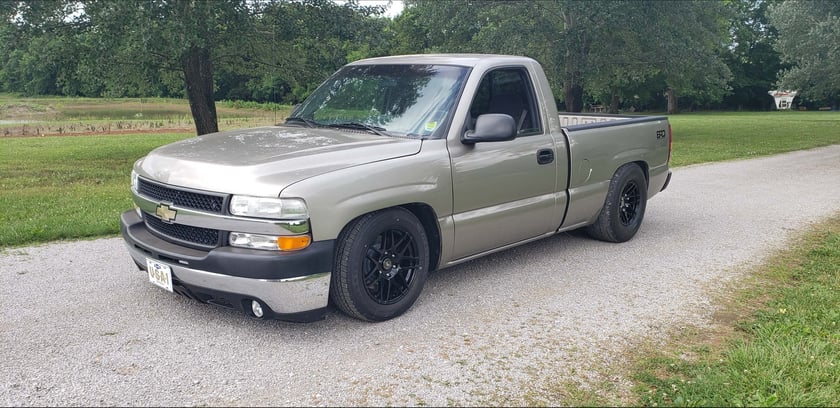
(380, 265)
(624, 207)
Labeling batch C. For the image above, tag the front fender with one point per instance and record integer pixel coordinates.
(336, 198)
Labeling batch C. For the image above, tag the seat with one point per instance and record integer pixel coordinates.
(512, 104)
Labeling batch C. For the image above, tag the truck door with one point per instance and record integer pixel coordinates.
(504, 192)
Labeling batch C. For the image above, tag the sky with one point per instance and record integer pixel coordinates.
(394, 10)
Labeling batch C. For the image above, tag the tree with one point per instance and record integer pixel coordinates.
(306, 41)
(532, 28)
(809, 34)
(189, 37)
(268, 44)
(279, 50)
(685, 37)
(175, 47)
(439, 26)
(601, 49)
(617, 62)
(38, 47)
(751, 58)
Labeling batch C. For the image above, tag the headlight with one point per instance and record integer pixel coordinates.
(264, 207)
(133, 180)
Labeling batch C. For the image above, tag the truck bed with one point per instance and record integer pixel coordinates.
(568, 119)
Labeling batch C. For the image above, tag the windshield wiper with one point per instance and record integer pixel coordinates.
(358, 125)
(307, 122)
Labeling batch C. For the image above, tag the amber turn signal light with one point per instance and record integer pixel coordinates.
(293, 243)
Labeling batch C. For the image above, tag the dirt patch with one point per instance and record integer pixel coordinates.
(39, 130)
(26, 112)
(45, 117)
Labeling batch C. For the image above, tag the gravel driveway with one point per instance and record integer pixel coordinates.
(81, 325)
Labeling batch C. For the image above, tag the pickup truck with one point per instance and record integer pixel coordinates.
(393, 168)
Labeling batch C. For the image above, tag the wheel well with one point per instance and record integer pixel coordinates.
(645, 170)
(428, 218)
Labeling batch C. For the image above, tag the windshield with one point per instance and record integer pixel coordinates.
(395, 100)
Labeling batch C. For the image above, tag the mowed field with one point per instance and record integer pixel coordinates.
(44, 116)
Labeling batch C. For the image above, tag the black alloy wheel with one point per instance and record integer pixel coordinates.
(391, 266)
(629, 205)
(381, 263)
(624, 207)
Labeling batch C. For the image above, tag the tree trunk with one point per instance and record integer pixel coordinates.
(672, 101)
(198, 76)
(614, 103)
(572, 88)
(573, 94)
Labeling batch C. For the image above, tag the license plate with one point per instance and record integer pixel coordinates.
(159, 274)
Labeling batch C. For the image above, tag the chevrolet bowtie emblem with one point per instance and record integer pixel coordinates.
(165, 213)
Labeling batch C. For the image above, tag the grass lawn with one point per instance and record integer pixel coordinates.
(785, 353)
(54, 188)
(68, 177)
(717, 136)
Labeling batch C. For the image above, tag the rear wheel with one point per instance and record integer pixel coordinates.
(381, 264)
(624, 208)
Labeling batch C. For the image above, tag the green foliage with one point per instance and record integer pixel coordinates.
(600, 50)
(302, 43)
(269, 106)
(274, 50)
(688, 34)
(809, 32)
(751, 57)
(38, 50)
(612, 52)
(789, 354)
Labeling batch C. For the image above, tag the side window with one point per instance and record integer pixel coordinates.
(508, 91)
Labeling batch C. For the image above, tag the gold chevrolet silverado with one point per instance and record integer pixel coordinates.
(393, 168)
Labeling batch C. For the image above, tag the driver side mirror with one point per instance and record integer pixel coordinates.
(491, 127)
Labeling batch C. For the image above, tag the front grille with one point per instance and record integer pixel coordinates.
(182, 198)
(202, 237)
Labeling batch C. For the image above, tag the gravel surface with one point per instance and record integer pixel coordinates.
(81, 325)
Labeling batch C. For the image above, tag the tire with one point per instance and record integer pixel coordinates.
(380, 265)
(624, 208)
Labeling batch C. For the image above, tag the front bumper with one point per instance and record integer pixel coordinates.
(291, 285)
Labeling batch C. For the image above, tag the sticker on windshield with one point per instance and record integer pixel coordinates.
(430, 126)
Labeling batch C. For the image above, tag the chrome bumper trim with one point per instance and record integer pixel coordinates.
(283, 296)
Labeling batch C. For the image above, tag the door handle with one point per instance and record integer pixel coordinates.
(545, 156)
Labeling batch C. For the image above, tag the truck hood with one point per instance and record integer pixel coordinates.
(263, 161)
